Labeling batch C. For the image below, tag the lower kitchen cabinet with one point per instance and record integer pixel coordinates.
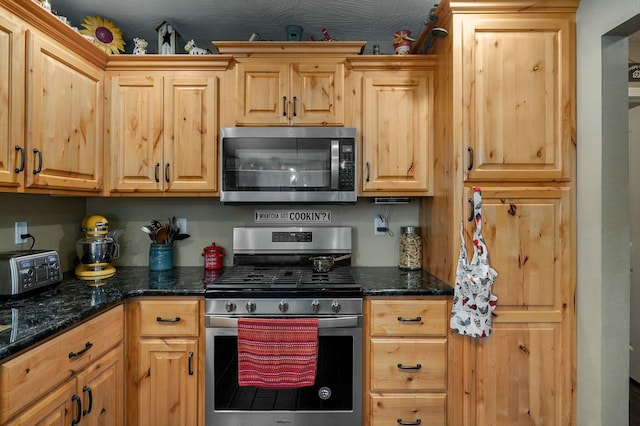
(405, 380)
(165, 377)
(74, 378)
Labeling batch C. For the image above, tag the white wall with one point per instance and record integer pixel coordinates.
(210, 221)
(602, 213)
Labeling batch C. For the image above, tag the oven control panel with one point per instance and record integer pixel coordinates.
(284, 306)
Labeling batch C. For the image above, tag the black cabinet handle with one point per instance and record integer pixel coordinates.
(166, 173)
(21, 168)
(409, 367)
(156, 172)
(295, 98)
(191, 363)
(402, 422)
(87, 389)
(367, 178)
(403, 319)
(78, 401)
(284, 106)
(87, 346)
(470, 166)
(160, 319)
(470, 218)
(39, 155)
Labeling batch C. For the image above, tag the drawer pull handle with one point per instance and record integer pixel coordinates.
(87, 389)
(38, 153)
(160, 319)
(191, 363)
(21, 150)
(402, 422)
(409, 367)
(87, 346)
(403, 319)
(76, 399)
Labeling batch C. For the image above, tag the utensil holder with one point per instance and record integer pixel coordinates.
(160, 257)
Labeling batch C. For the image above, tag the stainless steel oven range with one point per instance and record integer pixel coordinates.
(273, 277)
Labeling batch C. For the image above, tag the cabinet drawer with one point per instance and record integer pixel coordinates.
(428, 409)
(28, 376)
(409, 317)
(409, 364)
(169, 317)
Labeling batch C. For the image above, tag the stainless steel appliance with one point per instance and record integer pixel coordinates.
(273, 277)
(22, 271)
(288, 164)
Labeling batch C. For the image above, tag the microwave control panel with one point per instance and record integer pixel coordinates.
(347, 174)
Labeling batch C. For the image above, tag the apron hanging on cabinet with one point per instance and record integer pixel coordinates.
(473, 301)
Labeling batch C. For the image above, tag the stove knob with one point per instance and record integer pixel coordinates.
(315, 306)
(335, 306)
(251, 306)
(230, 306)
(283, 306)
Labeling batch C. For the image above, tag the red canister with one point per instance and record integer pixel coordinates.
(213, 255)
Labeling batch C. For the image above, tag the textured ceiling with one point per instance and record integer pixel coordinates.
(373, 21)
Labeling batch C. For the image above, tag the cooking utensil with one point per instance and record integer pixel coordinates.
(325, 263)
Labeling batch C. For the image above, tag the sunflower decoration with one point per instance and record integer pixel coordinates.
(106, 35)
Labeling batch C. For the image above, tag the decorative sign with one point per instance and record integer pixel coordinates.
(293, 216)
(634, 72)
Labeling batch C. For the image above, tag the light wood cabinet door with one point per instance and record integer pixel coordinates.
(519, 378)
(190, 133)
(64, 118)
(12, 83)
(290, 93)
(136, 131)
(518, 112)
(527, 232)
(58, 408)
(168, 388)
(100, 387)
(397, 132)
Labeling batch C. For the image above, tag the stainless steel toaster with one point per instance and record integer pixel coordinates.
(22, 271)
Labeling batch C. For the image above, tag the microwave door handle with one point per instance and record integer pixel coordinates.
(335, 163)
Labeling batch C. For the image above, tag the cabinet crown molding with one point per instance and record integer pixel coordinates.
(284, 48)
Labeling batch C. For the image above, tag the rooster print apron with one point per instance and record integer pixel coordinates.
(473, 302)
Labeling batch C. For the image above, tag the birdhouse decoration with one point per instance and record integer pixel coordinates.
(167, 38)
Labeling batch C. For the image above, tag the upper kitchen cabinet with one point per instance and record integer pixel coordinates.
(289, 84)
(51, 89)
(290, 93)
(517, 90)
(394, 112)
(64, 119)
(162, 128)
(12, 62)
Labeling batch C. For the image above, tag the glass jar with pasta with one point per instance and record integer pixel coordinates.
(410, 256)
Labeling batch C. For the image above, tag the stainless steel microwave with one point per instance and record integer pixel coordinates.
(288, 165)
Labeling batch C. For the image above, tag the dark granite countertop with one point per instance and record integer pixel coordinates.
(29, 319)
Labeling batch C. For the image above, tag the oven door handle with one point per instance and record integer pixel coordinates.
(334, 322)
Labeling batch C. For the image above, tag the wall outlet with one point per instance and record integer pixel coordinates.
(379, 226)
(182, 224)
(21, 229)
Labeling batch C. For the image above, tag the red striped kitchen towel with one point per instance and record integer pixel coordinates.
(277, 353)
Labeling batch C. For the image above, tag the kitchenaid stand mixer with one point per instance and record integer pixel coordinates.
(96, 250)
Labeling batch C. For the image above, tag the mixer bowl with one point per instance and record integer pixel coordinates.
(92, 251)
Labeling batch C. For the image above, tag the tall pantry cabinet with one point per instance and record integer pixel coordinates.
(505, 122)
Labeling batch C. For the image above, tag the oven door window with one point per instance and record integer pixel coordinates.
(333, 388)
(285, 164)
